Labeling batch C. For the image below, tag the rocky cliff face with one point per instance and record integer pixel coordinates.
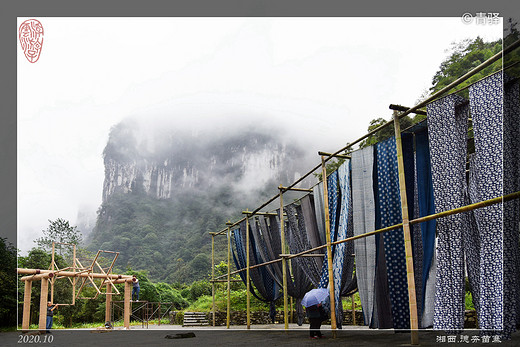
(166, 162)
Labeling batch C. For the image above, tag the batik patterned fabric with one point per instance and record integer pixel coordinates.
(363, 206)
(511, 208)
(332, 194)
(426, 207)
(486, 101)
(390, 210)
(447, 131)
(339, 265)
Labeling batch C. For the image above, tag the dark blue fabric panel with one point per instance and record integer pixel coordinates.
(390, 210)
(426, 203)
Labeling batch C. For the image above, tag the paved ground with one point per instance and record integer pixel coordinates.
(259, 335)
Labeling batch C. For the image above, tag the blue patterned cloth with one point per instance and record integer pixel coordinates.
(390, 212)
(341, 263)
(486, 100)
(511, 208)
(447, 131)
(332, 194)
(426, 207)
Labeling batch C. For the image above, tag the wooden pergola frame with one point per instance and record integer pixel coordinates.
(77, 272)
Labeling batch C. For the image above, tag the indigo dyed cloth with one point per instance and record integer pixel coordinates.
(486, 182)
(311, 225)
(320, 211)
(382, 315)
(332, 194)
(447, 132)
(390, 213)
(363, 206)
(426, 207)
(267, 287)
(343, 262)
(511, 208)
(298, 284)
(298, 242)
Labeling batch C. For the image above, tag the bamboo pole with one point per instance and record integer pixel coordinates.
(108, 302)
(213, 275)
(414, 324)
(38, 272)
(248, 294)
(127, 305)
(26, 319)
(44, 297)
(52, 268)
(228, 307)
(75, 279)
(329, 248)
(353, 310)
(342, 156)
(284, 261)
(284, 189)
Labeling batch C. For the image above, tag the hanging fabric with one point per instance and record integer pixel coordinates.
(298, 242)
(447, 131)
(240, 257)
(415, 230)
(300, 283)
(267, 287)
(340, 265)
(320, 211)
(426, 207)
(311, 225)
(363, 206)
(486, 182)
(390, 212)
(511, 208)
(332, 194)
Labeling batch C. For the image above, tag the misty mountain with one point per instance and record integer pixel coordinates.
(166, 188)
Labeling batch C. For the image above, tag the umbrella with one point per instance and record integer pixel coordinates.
(315, 296)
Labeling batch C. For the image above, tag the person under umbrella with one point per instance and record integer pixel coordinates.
(314, 308)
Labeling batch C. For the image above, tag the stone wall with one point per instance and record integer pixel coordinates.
(262, 317)
(259, 317)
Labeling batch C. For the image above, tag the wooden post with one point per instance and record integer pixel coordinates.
(284, 261)
(228, 314)
(44, 297)
(52, 269)
(353, 310)
(406, 232)
(74, 279)
(108, 302)
(27, 305)
(213, 274)
(329, 248)
(248, 294)
(128, 306)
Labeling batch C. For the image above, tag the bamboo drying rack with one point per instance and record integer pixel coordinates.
(404, 213)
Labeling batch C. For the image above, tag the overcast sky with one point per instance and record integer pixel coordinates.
(325, 77)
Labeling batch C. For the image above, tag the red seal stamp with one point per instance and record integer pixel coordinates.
(30, 35)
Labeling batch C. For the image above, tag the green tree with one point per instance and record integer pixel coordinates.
(8, 281)
(59, 231)
(464, 56)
